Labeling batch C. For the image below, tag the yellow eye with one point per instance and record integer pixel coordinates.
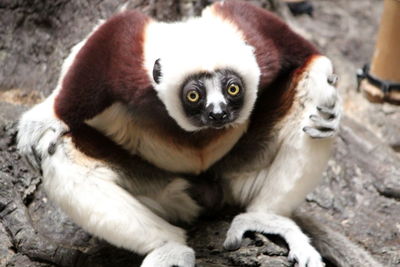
(193, 96)
(233, 89)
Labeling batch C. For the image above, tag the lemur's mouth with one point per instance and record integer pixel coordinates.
(218, 121)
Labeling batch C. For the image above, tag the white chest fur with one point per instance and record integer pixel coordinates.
(171, 155)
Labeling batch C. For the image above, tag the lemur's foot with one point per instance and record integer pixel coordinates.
(300, 249)
(38, 138)
(305, 255)
(170, 255)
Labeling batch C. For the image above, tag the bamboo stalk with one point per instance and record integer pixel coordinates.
(386, 59)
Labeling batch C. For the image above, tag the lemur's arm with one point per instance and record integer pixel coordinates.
(93, 77)
(296, 168)
(101, 188)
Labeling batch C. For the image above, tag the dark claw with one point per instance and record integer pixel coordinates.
(29, 163)
(37, 157)
(53, 146)
(52, 149)
(332, 79)
(326, 129)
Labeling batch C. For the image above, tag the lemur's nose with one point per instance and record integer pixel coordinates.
(219, 116)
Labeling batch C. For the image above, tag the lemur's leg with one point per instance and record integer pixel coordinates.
(296, 169)
(173, 201)
(294, 172)
(89, 191)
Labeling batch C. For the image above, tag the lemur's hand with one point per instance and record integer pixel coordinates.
(323, 120)
(38, 135)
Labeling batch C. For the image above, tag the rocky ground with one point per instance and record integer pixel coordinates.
(360, 193)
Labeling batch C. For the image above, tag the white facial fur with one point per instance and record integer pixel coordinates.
(215, 96)
(203, 44)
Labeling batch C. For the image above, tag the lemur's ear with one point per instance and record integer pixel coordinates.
(157, 71)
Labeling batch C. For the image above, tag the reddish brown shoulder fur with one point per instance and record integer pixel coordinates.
(277, 48)
(108, 68)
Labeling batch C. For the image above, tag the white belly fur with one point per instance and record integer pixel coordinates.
(116, 123)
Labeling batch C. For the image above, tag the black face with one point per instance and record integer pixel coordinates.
(213, 99)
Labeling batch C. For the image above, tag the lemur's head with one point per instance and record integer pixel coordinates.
(203, 93)
(204, 72)
(209, 99)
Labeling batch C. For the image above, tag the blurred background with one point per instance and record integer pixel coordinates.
(360, 193)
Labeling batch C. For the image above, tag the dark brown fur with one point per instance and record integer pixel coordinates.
(107, 69)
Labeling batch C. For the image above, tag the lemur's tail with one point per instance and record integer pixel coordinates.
(335, 247)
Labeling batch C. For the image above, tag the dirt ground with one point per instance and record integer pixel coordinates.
(358, 197)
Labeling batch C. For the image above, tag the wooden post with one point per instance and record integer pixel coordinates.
(386, 59)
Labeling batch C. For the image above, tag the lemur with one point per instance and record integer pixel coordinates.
(233, 99)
